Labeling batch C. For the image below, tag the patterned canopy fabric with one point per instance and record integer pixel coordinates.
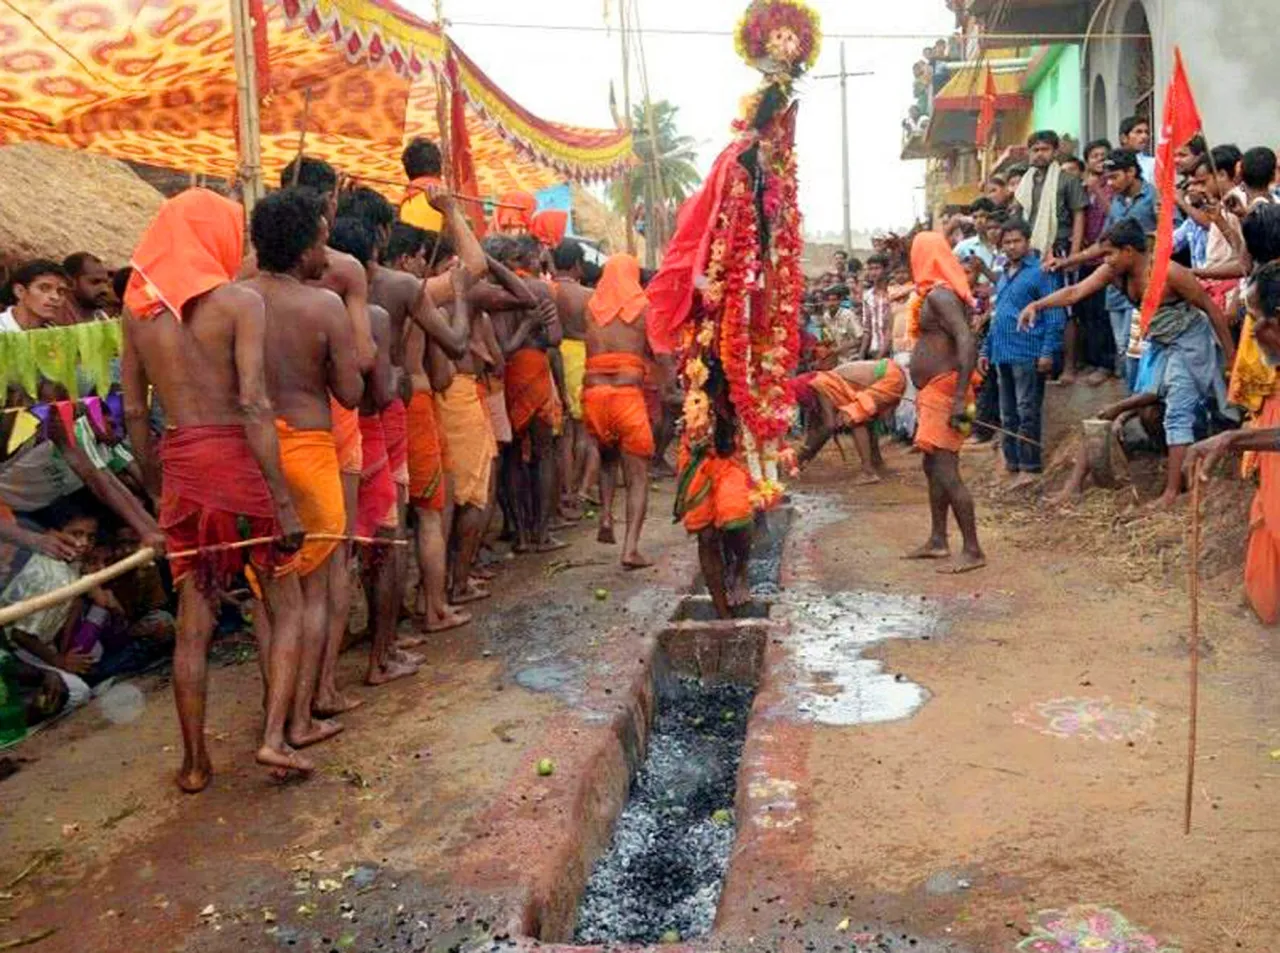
(154, 82)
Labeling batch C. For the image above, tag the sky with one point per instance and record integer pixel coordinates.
(564, 76)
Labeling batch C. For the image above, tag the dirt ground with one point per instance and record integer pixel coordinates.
(1027, 796)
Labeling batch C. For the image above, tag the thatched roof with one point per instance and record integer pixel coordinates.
(595, 220)
(57, 202)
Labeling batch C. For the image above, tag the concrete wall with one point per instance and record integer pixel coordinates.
(1228, 49)
(1057, 94)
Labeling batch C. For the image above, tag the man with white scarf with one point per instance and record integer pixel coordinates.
(1057, 227)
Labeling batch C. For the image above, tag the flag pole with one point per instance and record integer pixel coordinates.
(627, 198)
(250, 171)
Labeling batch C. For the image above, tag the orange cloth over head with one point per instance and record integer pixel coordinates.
(1262, 559)
(934, 265)
(618, 295)
(520, 217)
(549, 226)
(193, 245)
(933, 414)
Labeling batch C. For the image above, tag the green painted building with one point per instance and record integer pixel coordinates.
(1054, 84)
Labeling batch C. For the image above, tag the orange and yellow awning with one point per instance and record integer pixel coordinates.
(154, 82)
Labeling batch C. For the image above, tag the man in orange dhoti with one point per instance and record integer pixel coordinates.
(613, 404)
(944, 355)
(1262, 561)
(853, 396)
(197, 338)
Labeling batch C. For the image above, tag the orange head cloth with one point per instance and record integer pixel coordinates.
(933, 264)
(194, 244)
(618, 295)
(549, 226)
(520, 217)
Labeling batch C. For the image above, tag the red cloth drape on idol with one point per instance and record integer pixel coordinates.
(727, 299)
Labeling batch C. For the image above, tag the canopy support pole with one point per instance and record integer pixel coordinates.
(250, 172)
(627, 196)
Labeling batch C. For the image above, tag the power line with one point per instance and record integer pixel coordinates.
(695, 31)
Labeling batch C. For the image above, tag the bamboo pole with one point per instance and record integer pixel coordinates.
(627, 198)
(302, 135)
(264, 540)
(250, 171)
(1193, 587)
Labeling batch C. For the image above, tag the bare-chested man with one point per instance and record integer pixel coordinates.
(580, 458)
(310, 354)
(850, 397)
(532, 401)
(198, 339)
(613, 402)
(942, 363)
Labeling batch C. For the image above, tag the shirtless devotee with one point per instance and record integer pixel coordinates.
(377, 511)
(942, 362)
(851, 397)
(713, 500)
(1181, 364)
(198, 339)
(534, 407)
(613, 397)
(581, 458)
(310, 354)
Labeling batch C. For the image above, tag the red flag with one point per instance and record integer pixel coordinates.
(987, 114)
(1181, 123)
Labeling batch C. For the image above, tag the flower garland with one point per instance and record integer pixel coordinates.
(786, 32)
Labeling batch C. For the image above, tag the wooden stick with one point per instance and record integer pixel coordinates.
(460, 196)
(302, 135)
(20, 610)
(264, 540)
(1193, 586)
(29, 939)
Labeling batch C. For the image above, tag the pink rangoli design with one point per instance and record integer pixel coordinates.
(1089, 929)
(1096, 719)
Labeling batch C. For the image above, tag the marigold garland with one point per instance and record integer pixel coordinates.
(786, 32)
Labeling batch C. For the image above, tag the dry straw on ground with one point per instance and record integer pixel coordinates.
(56, 201)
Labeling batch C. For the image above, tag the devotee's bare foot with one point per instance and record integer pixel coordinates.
(633, 560)
(1163, 503)
(313, 733)
(966, 562)
(326, 706)
(407, 658)
(483, 574)
(550, 545)
(1066, 378)
(558, 526)
(930, 550)
(193, 779)
(588, 500)
(471, 592)
(606, 535)
(449, 619)
(411, 641)
(1098, 378)
(867, 479)
(1024, 480)
(284, 761)
(1066, 498)
(521, 546)
(739, 593)
(389, 672)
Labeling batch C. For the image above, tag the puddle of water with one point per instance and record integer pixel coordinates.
(662, 874)
(830, 631)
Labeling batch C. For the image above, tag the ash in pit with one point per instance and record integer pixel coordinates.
(660, 880)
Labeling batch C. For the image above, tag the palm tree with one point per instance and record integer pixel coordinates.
(673, 158)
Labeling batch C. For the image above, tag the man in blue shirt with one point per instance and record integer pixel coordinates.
(1021, 359)
(1132, 198)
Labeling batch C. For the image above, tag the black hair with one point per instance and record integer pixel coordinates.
(75, 265)
(369, 206)
(526, 247)
(120, 281)
(853, 265)
(1261, 228)
(1258, 168)
(66, 509)
(1196, 145)
(591, 273)
(500, 248)
(1019, 169)
(1097, 144)
(1015, 225)
(1132, 123)
(1071, 160)
(966, 226)
(437, 247)
(405, 239)
(26, 273)
(997, 179)
(313, 174)
(352, 236)
(421, 157)
(840, 291)
(566, 255)
(1226, 158)
(284, 225)
(1267, 281)
(881, 259)
(1124, 159)
(983, 204)
(1044, 135)
(1126, 233)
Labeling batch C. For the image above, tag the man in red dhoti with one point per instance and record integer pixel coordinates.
(197, 338)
